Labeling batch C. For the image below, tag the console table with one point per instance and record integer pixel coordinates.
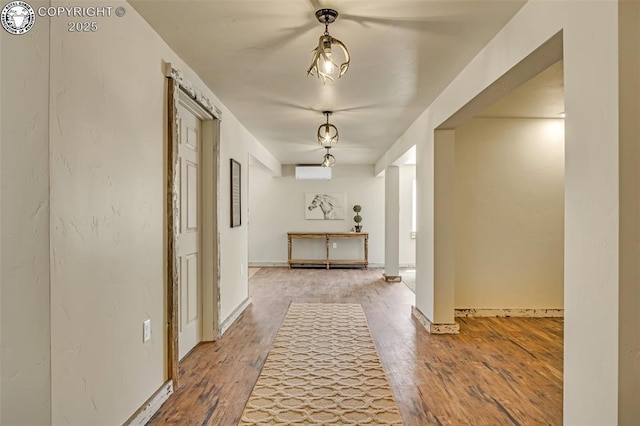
(326, 237)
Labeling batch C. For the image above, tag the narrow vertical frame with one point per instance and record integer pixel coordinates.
(236, 193)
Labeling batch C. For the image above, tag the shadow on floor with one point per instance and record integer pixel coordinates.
(409, 278)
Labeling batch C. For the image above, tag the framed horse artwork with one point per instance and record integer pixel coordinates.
(324, 205)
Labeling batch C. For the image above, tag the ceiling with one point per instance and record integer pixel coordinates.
(254, 55)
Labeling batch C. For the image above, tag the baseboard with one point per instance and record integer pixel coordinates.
(234, 315)
(432, 328)
(392, 278)
(286, 265)
(268, 264)
(153, 404)
(510, 312)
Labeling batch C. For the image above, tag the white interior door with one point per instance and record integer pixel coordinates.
(189, 235)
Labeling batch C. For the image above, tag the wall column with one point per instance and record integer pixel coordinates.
(392, 224)
(441, 319)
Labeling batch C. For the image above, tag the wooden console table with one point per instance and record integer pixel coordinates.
(327, 237)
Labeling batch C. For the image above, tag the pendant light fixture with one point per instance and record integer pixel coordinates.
(323, 63)
(327, 132)
(328, 160)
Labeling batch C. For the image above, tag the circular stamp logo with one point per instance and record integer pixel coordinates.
(17, 17)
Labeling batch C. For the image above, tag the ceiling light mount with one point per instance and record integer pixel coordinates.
(328, 133)
(326, 16)
(323, 62)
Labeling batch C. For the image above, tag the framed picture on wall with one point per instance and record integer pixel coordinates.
(236, 194)
(324, 205)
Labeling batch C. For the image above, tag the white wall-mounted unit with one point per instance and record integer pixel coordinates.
(313, 173)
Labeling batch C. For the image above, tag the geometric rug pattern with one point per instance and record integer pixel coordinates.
(323, 368)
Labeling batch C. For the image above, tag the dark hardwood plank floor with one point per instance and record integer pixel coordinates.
(497, 371)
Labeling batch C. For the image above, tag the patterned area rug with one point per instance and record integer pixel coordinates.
(323, 368)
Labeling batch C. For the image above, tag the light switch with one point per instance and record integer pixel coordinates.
(146, 331)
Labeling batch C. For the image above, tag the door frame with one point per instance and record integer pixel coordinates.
(180, 91)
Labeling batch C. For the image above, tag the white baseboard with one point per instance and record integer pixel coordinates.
(432, 328)
(153, 404)
(286, 265)
(234, 315)
(267, 264)
(510, 312)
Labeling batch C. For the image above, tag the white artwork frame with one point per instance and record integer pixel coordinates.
(325, 205)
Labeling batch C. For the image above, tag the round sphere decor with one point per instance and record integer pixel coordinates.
(357, 218)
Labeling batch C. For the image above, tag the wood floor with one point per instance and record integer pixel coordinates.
(497, 371)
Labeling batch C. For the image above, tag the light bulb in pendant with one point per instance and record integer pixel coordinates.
(327, 66)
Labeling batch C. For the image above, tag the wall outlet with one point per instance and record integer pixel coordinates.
(335, 245)
(146, 331)
(241, 269)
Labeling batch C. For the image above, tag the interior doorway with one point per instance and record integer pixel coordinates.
(508, 199)
(192, 255)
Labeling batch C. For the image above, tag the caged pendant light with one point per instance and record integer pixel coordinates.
(323, 63)
(327, 132)
(328, 160)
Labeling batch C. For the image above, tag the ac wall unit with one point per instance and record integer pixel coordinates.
(313, 173)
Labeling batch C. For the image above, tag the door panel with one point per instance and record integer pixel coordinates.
(188, 248)
(192, 196)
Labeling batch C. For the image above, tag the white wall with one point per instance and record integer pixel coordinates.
(24, 227)
(509, 193)
(407, 244)
(108, 150)
(276, 206)
(589, 30)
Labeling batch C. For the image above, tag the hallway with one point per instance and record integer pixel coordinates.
(496, 371)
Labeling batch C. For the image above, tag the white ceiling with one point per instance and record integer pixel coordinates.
(254, 55)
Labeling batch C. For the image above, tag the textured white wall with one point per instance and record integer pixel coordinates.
(24, 227)
(108, 150)
(276, 206)
(107, 203)
(509, 187)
